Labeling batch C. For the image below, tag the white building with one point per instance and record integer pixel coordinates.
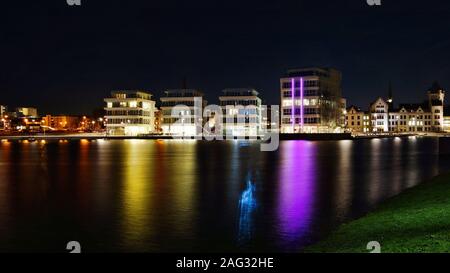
(379, 111)
(410, 118)
(436, 97)
(130, 113)
(311, 101)
(186, 119)
(241, 112)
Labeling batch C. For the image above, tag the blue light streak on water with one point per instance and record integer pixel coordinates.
(247, 205)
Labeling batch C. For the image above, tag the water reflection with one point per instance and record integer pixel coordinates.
(296, 191)
(247, 206)
(139, 195)
(344, 188)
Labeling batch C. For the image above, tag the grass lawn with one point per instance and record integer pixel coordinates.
(417, 220)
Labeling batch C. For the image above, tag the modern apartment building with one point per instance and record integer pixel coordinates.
(130, 113)
(187, 118)
(241, 112)
(311, 101)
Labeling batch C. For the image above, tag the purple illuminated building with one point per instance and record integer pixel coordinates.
(311, 101)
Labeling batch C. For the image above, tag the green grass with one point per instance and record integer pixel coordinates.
(416, 221)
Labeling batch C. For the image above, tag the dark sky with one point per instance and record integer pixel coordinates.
(65, 59)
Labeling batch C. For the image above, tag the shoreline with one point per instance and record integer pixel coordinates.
(310, 137)
(414, 221)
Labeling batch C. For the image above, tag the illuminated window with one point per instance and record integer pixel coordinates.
(287, 102)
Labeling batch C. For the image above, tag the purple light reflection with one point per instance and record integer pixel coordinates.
(296, 192)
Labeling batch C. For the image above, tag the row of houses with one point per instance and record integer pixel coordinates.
(383, 117)
(310, 102)
(27, 119)
(181, 112)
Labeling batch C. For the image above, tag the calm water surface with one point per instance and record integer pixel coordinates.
(167, 196)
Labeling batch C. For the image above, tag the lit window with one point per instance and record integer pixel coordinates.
(287, 102)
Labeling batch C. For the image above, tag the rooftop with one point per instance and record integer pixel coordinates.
(183, 93)
(240, 92)
(312, 71)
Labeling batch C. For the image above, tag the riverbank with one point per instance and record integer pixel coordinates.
(415, 221)
(94, 136)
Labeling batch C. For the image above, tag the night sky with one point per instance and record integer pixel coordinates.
(64, 59)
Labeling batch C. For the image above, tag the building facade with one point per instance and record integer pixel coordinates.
(407, 118)
(241, 110)
(3, 117)
(187, 118)
(436, 96)
(158, 121)
(357, 121)
(311, 101)
(130, 113)
(26, 112)
(379, 111)
(61, 122)
(411, 118)
(3, 110)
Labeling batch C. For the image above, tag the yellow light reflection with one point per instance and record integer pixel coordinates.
(344, 187)
(137, 193)
(181, 174)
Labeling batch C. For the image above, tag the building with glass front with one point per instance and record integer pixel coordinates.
(311, 101)
(241, 109)
(130, 113)
(182, 112)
